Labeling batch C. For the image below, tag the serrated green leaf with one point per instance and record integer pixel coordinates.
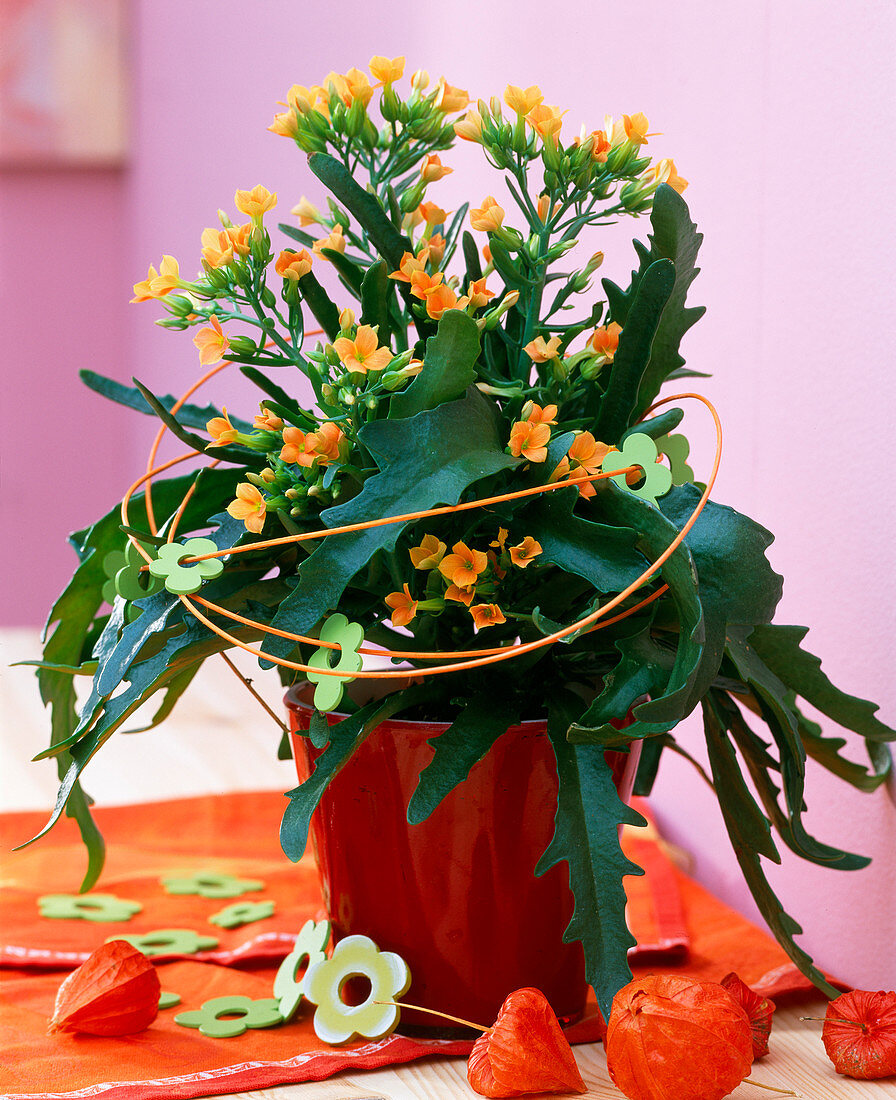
(448, 448)
(620, 401)
(751, 838)
(586, 837)
(484, 718)
(449, 366)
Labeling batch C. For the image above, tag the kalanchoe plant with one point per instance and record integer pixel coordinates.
(467, 367)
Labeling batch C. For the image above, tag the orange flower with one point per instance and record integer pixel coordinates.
(433, 215)
(404, 606)
(441, 298)
(501, 539)
(546, 121)
(267, 422)
(363, 353)
(529, 440)
(541, 351)
(636, 128)
(460, 595)
(385, 71)
(666, 172)
(423, 284)
(489, 216)
(285, 124)
(437, 245)
(303, 99)
(326, 442)
(600, 146)
(469, 127)
(335, 240)
(487, 614)
(357, 86)
(585, 455)
(239, 238)
(429, 553)
(538, 415)
(479, 293)
(523, 100)
(432, 169)
(249, 506)
(306, 212)
(450, 98)
(296, 446)
(293, 265)
(486, 253)
(255, 203)
(463, 565)
(523, 553)
(212, 343)
(217, 247)
(605, 340)
(409, 264)
(158, 283)
(221, 430)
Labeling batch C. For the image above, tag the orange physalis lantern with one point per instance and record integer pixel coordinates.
(115, 992)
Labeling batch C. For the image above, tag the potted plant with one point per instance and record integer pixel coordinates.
(484, 484)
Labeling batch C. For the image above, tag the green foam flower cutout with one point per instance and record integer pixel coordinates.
(677, 448)
(309, 948)
(639, 449)
(102, 908)
(356, 956)
(183, 580)
(170, 941)
(225, 1017)
(350, 636)
(210, 884)
(243, 912)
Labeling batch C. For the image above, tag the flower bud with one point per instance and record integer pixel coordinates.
(243, 345)
(412, 198)
(224, 220)
(346, 319)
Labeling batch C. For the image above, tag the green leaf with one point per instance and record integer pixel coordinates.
(191, 416)
(826, 750)
(377, 291)
(424, 460)
(320, 304)
(658, 426)
(364, 205)
(586, 837)
(485, 717)
(296, 234)
(352, 273)
(666, 709)
(779, 649)
(751, 838)
(284, 400)
(471, 257)
(449, 366)
(620, 401)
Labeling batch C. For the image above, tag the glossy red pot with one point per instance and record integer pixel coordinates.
(455, 895)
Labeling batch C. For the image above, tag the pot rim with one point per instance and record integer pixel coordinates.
(296, 700)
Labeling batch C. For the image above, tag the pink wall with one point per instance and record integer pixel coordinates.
(781, 116)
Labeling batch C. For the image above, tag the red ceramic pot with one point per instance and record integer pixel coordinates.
(455, 895)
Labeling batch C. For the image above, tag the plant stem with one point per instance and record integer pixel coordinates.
(771, 1088)
(433, 1012)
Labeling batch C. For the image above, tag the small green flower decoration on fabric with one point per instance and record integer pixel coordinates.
(677, 448)
(241, 1014)
(356, 956)
(244, 912)
(184, 580)
(640, 450)
(310, 948)
(168, 1000)
(171, 941)
(210, 884)
(350, 636)
(102, 908)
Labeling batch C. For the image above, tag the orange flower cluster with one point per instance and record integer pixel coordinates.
(431, 289)
(364, 352)
(158, 283)
(583, 459)
(529, 436)
(219, 246)
(324, 446)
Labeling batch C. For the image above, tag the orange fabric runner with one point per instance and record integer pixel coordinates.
(678, 925)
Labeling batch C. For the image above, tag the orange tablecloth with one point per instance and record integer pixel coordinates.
(678, 925)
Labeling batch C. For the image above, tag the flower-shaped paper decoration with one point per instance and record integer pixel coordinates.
(677, 448)
(211, 884)
(639, 450)
(183, 580)
(310, 948)
(102, 908)
(243, 912)
(350, 636)
(225, 1017)
(356, 956)
(171, 941)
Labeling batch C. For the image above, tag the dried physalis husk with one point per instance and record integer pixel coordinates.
(759, 1011)
(114, 992)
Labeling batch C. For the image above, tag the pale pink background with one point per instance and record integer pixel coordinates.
(781, 115)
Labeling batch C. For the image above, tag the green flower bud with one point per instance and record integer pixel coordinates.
(389, 104)
(243, 345)
(412, 198)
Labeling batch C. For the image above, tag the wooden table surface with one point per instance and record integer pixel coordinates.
(245, 759)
